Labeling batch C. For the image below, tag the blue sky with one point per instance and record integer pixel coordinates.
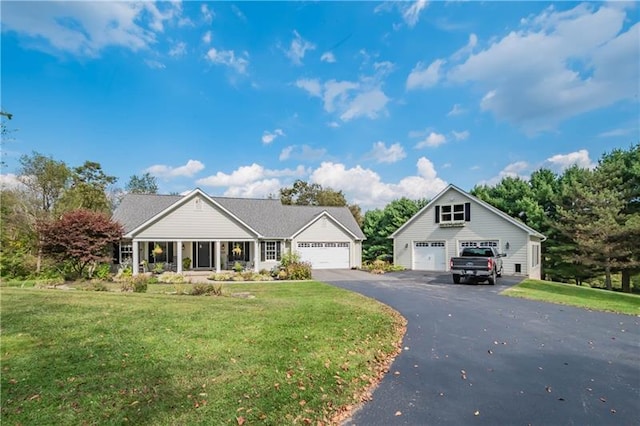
(379, 100)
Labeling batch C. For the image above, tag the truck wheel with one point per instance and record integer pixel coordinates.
(456, 278)
(492, 278)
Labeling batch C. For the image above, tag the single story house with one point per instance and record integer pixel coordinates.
(215, 233)
(455, 219)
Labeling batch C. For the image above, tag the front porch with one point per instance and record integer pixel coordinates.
(188, 255)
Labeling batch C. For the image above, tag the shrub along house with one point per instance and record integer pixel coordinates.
(455, 219)
(215, 233)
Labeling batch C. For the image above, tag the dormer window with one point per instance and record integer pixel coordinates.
(453, 213)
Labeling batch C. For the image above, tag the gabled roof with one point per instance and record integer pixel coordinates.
(268, 218)
(495, 210)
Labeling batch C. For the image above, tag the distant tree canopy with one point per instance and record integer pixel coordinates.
(379, 224)
(88, 189)
(591, 217)
(302, 193)
(144, 184)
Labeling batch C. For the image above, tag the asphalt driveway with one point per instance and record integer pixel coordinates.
(472, 356)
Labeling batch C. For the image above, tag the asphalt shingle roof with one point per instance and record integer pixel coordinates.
(269, 217)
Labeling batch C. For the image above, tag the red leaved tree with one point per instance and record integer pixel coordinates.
(80, 238)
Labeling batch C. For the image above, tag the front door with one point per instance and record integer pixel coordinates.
(203, 254)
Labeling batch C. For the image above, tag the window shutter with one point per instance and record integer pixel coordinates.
(169, 251)
(437, 214)
(229, 251)
(150, 251)
(246, 251)
(467, 212)
(278, 251)
(262, 251)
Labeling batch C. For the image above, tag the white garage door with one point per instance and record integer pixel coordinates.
(325, 255)
(429, 256)
(478, 243)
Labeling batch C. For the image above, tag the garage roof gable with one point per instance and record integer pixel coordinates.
(484, 204)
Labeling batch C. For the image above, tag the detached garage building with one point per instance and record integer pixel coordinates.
(215, 233)
(455, 219)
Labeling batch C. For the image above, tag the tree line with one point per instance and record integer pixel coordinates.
(591, 217)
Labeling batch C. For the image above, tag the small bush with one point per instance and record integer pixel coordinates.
(126, 286)
(171, 278)
(180, 288)
(380, 266)
(158, 268)
(95, 286)
(238, 267)
(48, 282)
(201, 289)
(223, 276)
(102, 272)
(140, 284)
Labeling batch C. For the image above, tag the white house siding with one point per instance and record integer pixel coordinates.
(484, 225)
(326, 230)
(196, 220)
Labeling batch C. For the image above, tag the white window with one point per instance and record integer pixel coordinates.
(452, 213)
(535, 255)
(270, 252)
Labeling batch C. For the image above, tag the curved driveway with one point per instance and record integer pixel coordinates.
(473, 357)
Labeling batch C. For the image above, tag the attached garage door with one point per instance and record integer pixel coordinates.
(478, 243)
(429, 256)
(325, 255)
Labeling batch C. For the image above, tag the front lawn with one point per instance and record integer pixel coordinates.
(583, 297)
(294, 353)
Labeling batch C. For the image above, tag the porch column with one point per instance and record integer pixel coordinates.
(218, 256)
(179, 257)
(256, 255)
(135, 262)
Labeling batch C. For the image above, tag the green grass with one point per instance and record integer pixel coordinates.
(583, 297)
(296, 353)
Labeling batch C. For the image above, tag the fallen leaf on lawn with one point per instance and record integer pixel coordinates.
(36, 396)
(240, 420)
(398, 413)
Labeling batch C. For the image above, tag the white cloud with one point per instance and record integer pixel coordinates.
(268, 137)
(333, 124)
(252, 181)
(153, 64)
(302, 153)
(229, 58)
(456, 110)
(10, 181)
(285, 154)
(411, 14)
(432, 140)
(410, 11)
(559, 64)
(466, 50)
(206, 38)
(382, 154)
(312, 86)
(336, 91)
(460, 136)
(328, 57)
(86, 28)
(615, 133)
(560, 162)
(188, 170)
(349, 99)
(236, 10)
(422, 77)
(367, 104)
(179, 49)
(365, 187)
(258, 189)
(207, 14)
(298, 48)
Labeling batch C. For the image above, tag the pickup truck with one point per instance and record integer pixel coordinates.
(477, 264)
